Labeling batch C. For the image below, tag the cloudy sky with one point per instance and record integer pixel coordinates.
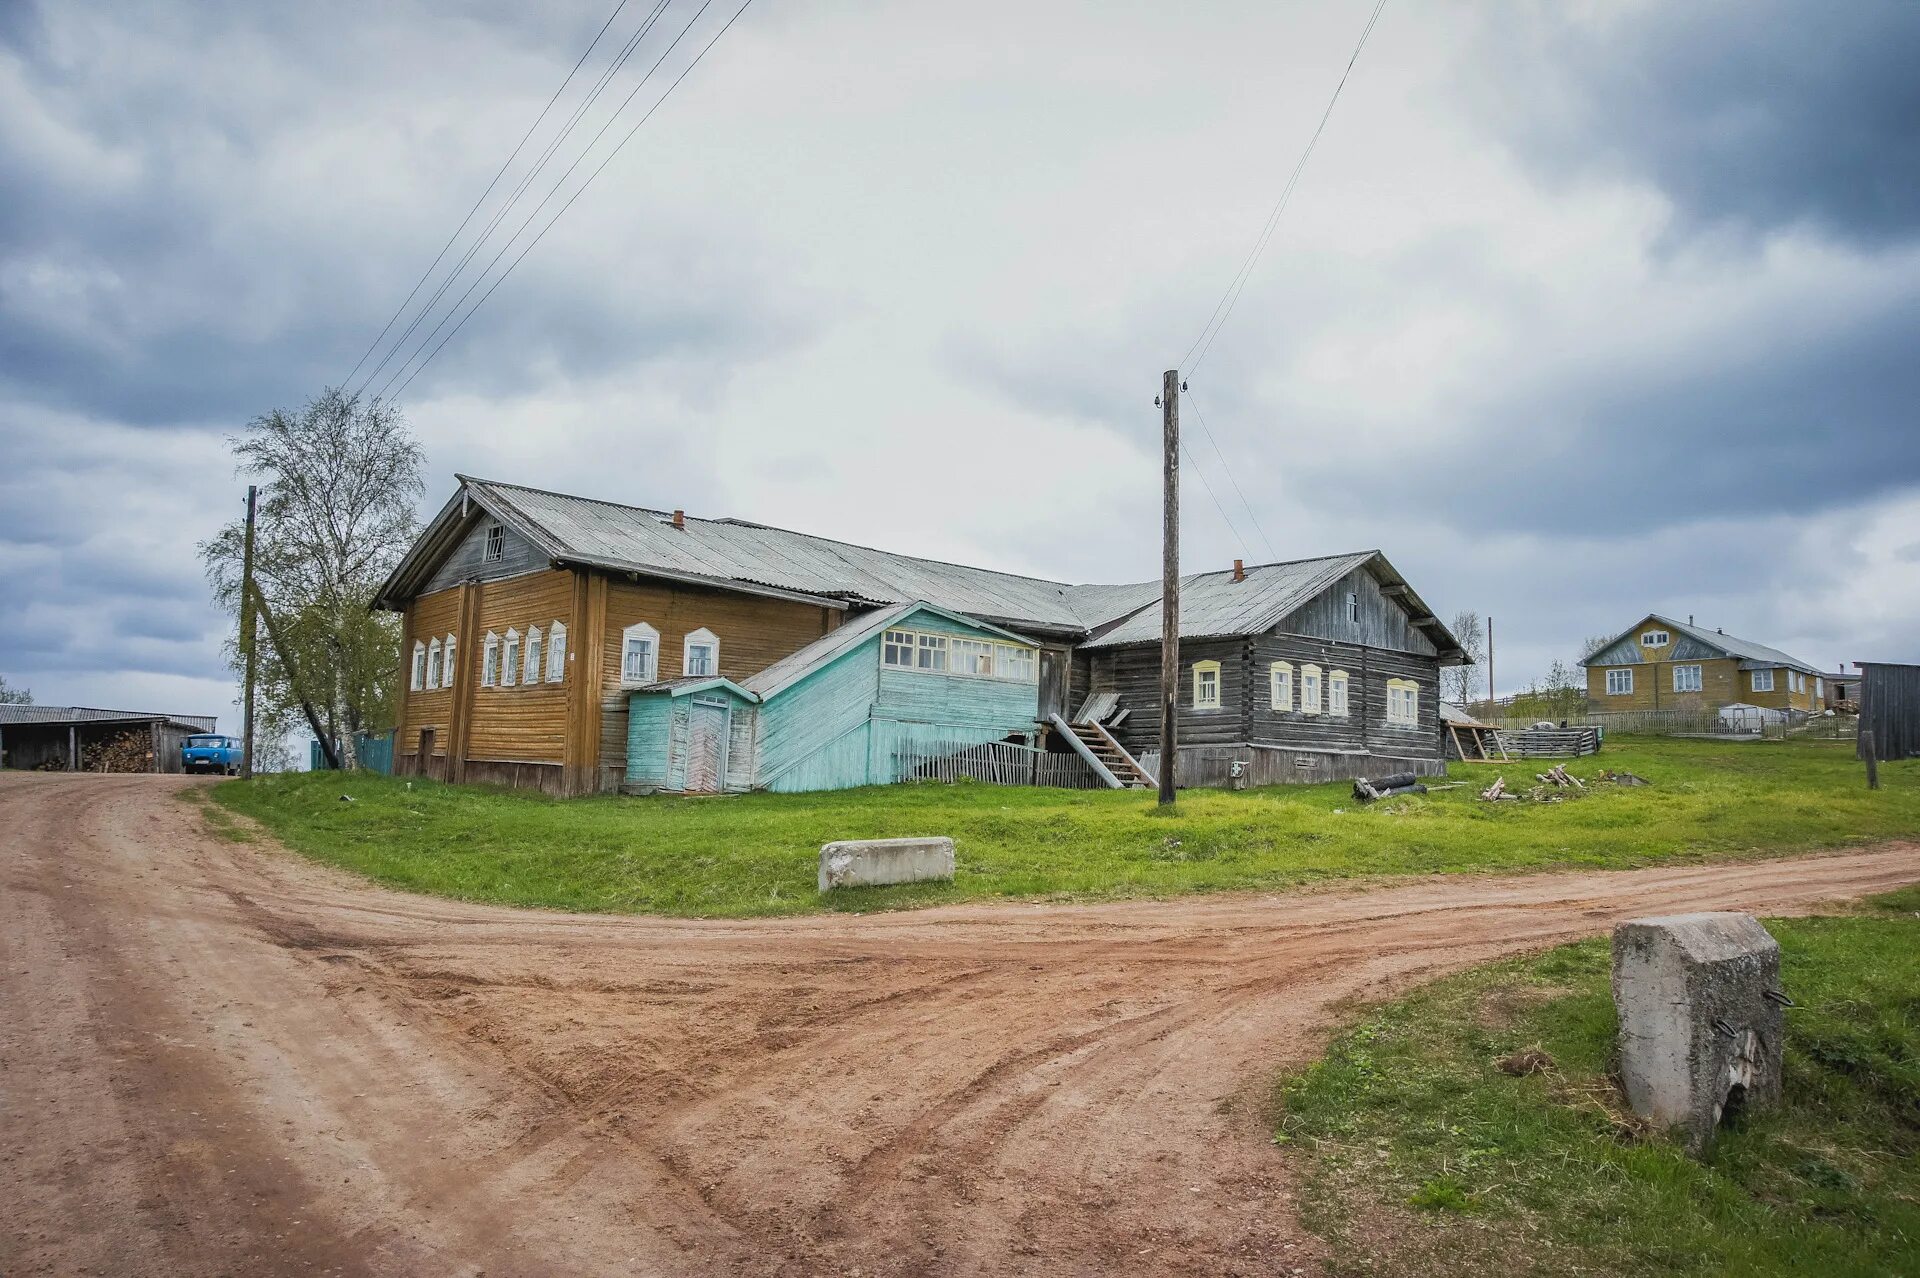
(1579, 311)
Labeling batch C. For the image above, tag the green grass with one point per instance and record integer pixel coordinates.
(756, 854)
(1422, 1156)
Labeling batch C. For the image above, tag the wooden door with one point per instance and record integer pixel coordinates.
(708, 722)
(1053, 682)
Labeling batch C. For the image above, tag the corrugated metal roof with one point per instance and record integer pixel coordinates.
(1214, 604)
(734, 550)
(1754, 656)
(794, 666)
(88, 714)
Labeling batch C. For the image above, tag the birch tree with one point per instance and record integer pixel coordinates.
(1463, 682)
(338, 481)
(10, 696)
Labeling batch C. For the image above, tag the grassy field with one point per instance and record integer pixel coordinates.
(756, 854)
(1425, 1157)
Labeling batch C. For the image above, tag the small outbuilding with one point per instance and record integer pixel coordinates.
(86, 739)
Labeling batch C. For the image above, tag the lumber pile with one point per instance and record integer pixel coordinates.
(1553, 786)
(1557, 776)
(1372, 790)
(128, 752)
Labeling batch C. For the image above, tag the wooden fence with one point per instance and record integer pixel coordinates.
(1551, 743)
(996, 763)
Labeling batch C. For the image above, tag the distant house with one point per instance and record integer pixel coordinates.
(583, 646)
(1663, 664)
(1842, 689)
(60, 737)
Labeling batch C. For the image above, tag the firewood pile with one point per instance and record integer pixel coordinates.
(128, 752)
(1554, 785)
(1557, 776)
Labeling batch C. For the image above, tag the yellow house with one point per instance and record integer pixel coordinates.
(1662, 664)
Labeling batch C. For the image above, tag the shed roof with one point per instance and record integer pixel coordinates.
(62, 715)
(795, 666)
(1753, 656)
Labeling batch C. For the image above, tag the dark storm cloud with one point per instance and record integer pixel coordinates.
(1749, 114)
(158, 267)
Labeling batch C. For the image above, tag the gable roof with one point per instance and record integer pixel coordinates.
(1753, 656)
(1214, 605)
(796, 666)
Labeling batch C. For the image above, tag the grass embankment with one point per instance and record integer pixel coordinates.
(1426, 1157)
(756, 854)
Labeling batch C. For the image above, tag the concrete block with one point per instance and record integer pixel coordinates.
(872, 862)
(1702, 1025)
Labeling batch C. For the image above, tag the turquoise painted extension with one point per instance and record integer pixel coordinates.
(856, 707)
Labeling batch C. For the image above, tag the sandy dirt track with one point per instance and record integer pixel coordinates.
(220, 1058)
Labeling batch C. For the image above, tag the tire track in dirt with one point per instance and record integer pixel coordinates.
(236, 1059)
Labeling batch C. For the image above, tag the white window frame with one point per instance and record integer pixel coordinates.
(970, 657)
(494, 547)
(532, 656)
(897, 649)
(450, 664)
(1201, 684)
(557, 652)
(649, 672)
(1310, 689)
(1755, 681)
(1694, 682)
(510, 658)
(1337, 693)
(418, 682)
(701, 638)
(1403, 703)
(490, 661)
(1624, 681)
(1819, 687)
(434, 663)
(1016, 663)
(1280, 687)
(1655, 639)
(930, 653)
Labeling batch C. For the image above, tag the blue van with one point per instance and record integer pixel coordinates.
(210, 753)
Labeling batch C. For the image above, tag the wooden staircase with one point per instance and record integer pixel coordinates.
(1109, 759)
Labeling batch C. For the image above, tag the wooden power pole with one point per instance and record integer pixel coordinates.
(1169, 581)
(1490, 705)
(248, 647)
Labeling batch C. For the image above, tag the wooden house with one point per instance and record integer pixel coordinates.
(583, 646)
(1662, 664)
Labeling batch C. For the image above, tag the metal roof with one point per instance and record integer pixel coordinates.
(30, 714)
(794, 666)
(725, 551)
(737, 554)
(1753, 656)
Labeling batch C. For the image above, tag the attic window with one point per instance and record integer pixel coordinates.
(1655, 639)
(1353, 605)
(496, 548)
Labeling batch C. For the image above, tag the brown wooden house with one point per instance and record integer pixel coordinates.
(583, 646)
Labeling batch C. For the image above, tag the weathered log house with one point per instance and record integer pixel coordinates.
(582, 646)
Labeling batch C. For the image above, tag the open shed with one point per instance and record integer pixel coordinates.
(57, 738)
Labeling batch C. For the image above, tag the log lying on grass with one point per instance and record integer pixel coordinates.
(1368, 791)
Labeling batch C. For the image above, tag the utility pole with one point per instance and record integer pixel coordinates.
(1490, 705)
(248, 646)
(1169, 580)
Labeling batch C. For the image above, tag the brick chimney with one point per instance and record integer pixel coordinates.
(680, 520)
(1239, 570)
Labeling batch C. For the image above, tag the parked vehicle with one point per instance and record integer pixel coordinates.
(210, 753)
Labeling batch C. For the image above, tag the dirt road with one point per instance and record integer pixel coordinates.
(216, 1057)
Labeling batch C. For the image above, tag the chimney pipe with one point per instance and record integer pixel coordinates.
(1689, 619)
(1239, 570)
(680, 520)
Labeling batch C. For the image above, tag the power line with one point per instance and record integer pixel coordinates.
(418, 284)
(520, 189)
(1255, 519)
(400, 374)
(559, 213)
(1193, 464)
(1231, 298)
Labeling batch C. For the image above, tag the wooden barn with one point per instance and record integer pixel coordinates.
(582, 646)
(72, 738)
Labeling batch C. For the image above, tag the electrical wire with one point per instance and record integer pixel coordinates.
(1272, 554)
(561, 211)
(524, 138)
(520, 189)
(1223, 309)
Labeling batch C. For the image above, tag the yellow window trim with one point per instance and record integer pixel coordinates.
(1206, 667)
(1277, 700)
(1337, 679)
(1319, 689)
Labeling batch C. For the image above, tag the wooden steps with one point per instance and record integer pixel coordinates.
(1109, 758)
